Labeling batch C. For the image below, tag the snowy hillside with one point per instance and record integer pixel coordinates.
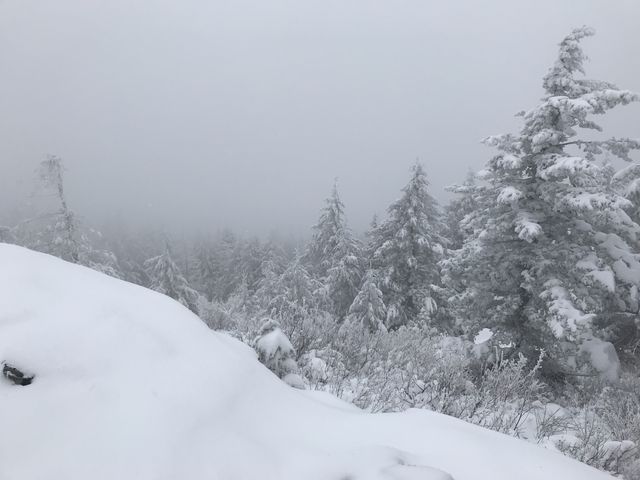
(129, 384)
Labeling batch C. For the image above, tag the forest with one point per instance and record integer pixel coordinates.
(515, 306)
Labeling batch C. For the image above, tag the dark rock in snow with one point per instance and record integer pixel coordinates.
(15, 375)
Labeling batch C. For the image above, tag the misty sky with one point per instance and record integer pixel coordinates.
(204, 113)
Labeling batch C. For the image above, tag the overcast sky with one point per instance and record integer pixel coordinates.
(239, 113)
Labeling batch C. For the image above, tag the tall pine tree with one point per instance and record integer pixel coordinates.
(166, 278)
(550, 257)
(334, 256)
(406, 249)
(57, 231)
(457, 212)
(368, 309)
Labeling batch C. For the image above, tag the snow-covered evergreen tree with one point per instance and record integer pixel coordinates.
(550, 256)
(252, 255)
(95, 254)
(334, 255)
(219, 265)
(206, 269)
(294, 292)
(55, 232)
(277, 354)
(227, 261)
(368, 309)
(166, 278)
(319, 254)
(7, 235)
(626, 181)
(345, 275)
(406, 250)
(55, 229)
(457, 211)
(295, 299)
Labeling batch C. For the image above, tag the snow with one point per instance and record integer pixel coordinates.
(527, 227)
(483, 336)
(562, 167)
(597, 201)
(565, 315)
(273, 342)
(626, 265)
(508, 161)
(129, 384)
(605, 277)
(509, 195)
(603, 357)
(480, 345)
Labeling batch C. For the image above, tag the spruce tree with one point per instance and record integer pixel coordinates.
(166, 278)
(296, 300)
(334, 256)
(406, 249)
(276, 352)
(320, 252)
(457, 212)
(551, 258)
(368, 309)
(295, 293)
(57, 231)
(59, 235)
(207, 270)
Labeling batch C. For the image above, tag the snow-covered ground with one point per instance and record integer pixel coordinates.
(131, 385)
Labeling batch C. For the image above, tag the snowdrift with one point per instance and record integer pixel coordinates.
(131, 385)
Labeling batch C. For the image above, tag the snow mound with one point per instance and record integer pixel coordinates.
(131, 385)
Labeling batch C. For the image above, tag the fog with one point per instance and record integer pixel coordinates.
(197, 114)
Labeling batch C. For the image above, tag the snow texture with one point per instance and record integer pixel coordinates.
(603, 357)
(483, 336)
(129, 384)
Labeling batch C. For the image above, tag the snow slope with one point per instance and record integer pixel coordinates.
(131, 385)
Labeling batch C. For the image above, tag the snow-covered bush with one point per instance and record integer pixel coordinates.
(216, 316)
(600, 425)
(589, 441)
(307, 330)
(294, 299)
(277, 354)
(430, 372)
(508, 393)
(410, 368)
(619, 407)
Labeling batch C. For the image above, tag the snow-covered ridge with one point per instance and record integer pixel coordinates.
(131, 385)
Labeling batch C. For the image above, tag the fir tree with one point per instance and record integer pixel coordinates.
(276, 352)
(7, 235)
(295, 299)
(550, 255)
(335, 256)
(206, 269)
(251, 260)
(326, 236)
(59, 235)
(457, 212)
(166, 278)
(368, 309)
(295, 292)
(406, 250)
(626, 181)
(226, 258)
(59, 232)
